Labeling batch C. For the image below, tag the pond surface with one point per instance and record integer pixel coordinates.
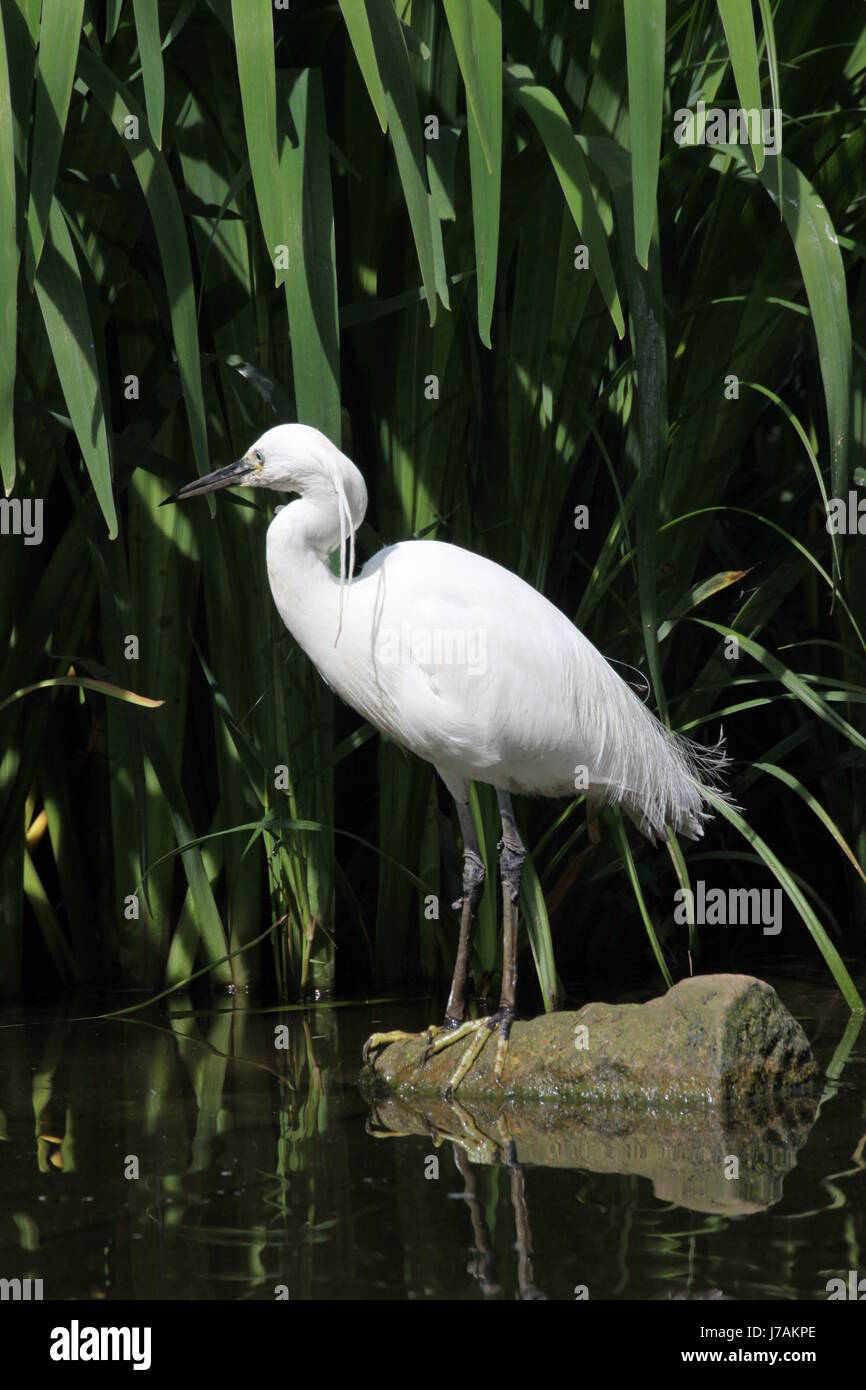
(178, 1153)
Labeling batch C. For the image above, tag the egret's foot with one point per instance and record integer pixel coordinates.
(436, 1032)
(481, 1028)
(377, 1041)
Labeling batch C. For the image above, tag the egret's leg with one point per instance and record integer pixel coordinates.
(453, 1027)
(511, 858)
(473, 885)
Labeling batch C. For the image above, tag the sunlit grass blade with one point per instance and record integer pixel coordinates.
(614, 818)
(250, 759)
(810, 453)
(431, 945)
(21, 20)
(567, 158)
(20, 750)
(775, 86)
(52, 932)
(477, 40)
(254, 47)
(834, 961)
(163, 204)
(739, 24)
(817, 248)
(163, 578)
(84, 683)
(216, 967)
(283, 826)
(698, 594)
(485, 141)
(185, 11)
(58, 50)
(311, 279)
(68, 839)
(113, 10)
(70, 332)
(150, 52)
(239, 182)
(358, 26)
(185, 938)
(485, 817)
(9, 256)
(789, 780)
(538, 930)
(782, 531)
(791, 681)
(208, 921)
(645, 54)
(404, 127)
(681, 869)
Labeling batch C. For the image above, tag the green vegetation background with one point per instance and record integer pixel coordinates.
(154, 159)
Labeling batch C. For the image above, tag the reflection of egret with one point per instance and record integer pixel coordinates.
(474, 1146)
(463, 663)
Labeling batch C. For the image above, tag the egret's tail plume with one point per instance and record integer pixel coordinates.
(661, 779)
(686, 786)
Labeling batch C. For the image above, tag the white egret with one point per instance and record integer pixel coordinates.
(466, 665)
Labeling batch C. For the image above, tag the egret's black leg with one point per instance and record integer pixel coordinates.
(473, 886)
(511, 858)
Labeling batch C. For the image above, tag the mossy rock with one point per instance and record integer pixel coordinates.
(711, 1039)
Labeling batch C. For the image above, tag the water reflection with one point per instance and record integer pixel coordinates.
(471, 1145)
(226, 1152)
(706, 1162)
(733, 1164)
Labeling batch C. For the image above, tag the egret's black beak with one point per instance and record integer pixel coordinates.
(231, 476)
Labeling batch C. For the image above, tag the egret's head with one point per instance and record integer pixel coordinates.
(297, 458)
(292, 458)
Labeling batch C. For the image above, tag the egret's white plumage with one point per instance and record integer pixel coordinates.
(461, 661)
(472, 669)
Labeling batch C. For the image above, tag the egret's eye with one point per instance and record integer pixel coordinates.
(259, 457)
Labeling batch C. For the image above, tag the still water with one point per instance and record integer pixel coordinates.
(179, 1154)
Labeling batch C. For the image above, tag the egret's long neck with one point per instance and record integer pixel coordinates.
(300, 539)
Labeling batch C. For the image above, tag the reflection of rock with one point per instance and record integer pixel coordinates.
(686, 1155)
(711, 1039)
